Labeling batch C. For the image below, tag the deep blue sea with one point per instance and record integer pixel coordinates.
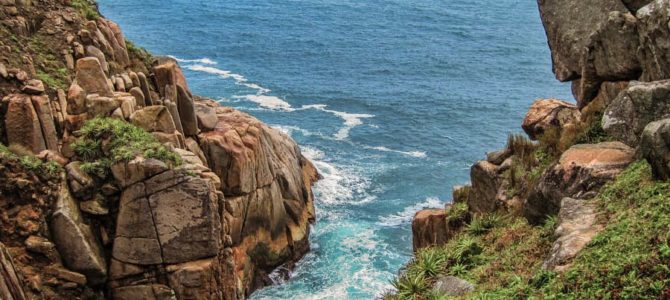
(393, 100)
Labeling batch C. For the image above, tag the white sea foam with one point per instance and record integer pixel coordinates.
(216, 71)
(340, 185)
(418, 154)
(269, 102)
(350, 120)
(205, 60)
(405, 216)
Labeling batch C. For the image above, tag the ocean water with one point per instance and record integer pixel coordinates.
(392, 100)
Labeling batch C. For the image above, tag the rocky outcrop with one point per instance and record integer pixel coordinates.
(269, 200)
(571, 24)
(576, 227)
(429, 228)
(126, 225)
(655, 148)
(634, 108)
(486, 181)
(546, 114)
(654, 40)
(579, 173)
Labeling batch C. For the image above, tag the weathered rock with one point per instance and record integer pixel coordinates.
(485, 186)
(207, 118)
(91, 77)
(576, 227)
(144, 85)
(452, 286)
(145, 292)
(654, 35)
(11, 286)
(136, 170)
(549, 113)
(195, 280)
(189, 120)
(430, 228)
(634, 108)
(174, 112)
(267, 182)
(66, 275)
(99, 106)
(154, 118)
(76, 100)
(579, 173)
(168, 72)
(22, 124)
(93, 51)
(45, 116)
(461, 193)
(95, 206)
(611, 55)
(606, 94)
(33, 87)
(139, 96)
(43, 246)
(569, 25)
(119, 84)
(655, 148)
(75, 241)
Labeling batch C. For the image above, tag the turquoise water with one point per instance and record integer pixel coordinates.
(392, 100)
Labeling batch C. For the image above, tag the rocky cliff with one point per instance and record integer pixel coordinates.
(577, 208)
(117, 182)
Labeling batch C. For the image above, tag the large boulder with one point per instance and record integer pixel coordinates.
(22, 123)
(576, 227)
(545, 114)
(267, 184)
(154, 118)
(634, 108)
(169, 218)
(611, 55)
(655, 148)
(580, 172)
(654, 40)
(168, 73)
(569, 25)
(91, 77)
(452, 286)
(189, 120)
(485, 185)
(429, 228)
(75, 241)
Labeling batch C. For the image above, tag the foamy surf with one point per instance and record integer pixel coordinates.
(204, 60)
(405, 216)
(417, 154)
(269, 102)
(339, 186)
(350, 120)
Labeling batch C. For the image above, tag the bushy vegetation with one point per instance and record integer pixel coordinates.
(105, 141)
(503, 255)
(87, 8)
(27, 160)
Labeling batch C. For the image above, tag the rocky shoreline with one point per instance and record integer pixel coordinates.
(118, 183)
(555, 191)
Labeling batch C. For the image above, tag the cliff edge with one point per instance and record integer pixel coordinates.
(116, 182)
(577, 207)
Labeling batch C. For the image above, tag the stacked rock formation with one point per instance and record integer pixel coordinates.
(213, 227)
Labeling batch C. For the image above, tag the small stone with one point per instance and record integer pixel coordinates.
(96, 206)
(452, 286)
(33, 87)
(67, 275)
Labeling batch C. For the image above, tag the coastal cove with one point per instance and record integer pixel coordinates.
(392, 101)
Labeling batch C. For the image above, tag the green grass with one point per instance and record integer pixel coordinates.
(105, 141)
(87, 9)
(629, 259)
(50, 81)
(30, 162)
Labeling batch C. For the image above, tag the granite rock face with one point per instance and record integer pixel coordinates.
(579, 173)
(634, 108)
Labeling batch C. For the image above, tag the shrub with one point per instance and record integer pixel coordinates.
(123, 142)
(458, 212)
